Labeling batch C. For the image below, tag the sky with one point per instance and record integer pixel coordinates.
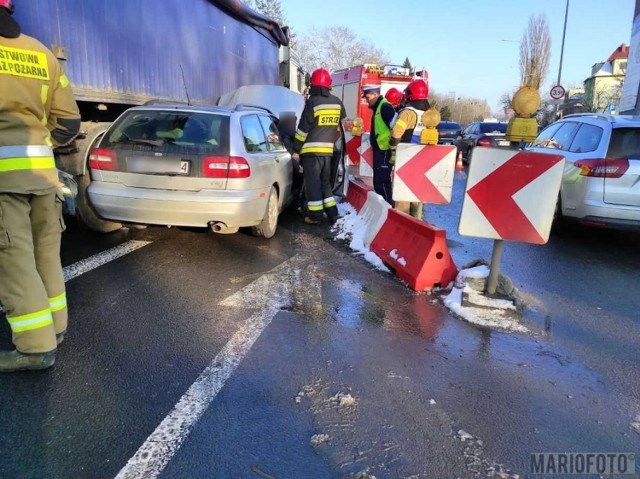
(471, 47)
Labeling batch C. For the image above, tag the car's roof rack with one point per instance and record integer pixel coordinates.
(164, 102)
(246, 106)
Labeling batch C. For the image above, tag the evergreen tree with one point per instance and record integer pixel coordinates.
(445, 113)
(407, 63)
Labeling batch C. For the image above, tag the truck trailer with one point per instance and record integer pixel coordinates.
(123, 53)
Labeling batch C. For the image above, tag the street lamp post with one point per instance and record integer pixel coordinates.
(564, 32)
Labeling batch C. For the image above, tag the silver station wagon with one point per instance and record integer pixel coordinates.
(218, 167)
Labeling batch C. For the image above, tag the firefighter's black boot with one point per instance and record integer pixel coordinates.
(14, 361)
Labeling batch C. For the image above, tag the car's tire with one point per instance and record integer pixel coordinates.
(84, 210)
(558, 225)
(269, 224)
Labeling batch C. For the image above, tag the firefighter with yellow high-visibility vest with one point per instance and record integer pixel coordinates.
(407, 129)
(314, 142)
(37, 112)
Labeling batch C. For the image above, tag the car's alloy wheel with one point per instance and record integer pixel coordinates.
(269, 224)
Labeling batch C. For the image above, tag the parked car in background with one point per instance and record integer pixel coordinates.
(601, 181)
(224, 167)
(448, 131)
(481, 133)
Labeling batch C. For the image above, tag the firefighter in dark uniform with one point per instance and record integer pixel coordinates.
(381, 122)
(37, 112)
(407, 129)
(314, 143)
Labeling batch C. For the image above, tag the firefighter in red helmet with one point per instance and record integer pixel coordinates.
(37, 112)
(395, 97)
(407, 129)
(314, 144)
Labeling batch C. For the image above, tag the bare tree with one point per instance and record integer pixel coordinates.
(535, 52)
(340, 48)
(460, 109)
(598, 101)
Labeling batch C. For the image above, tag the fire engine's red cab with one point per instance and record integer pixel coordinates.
(347, 85)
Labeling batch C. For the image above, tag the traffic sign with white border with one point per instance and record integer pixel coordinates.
(511, 195)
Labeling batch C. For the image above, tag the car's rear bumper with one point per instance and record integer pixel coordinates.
(604, 215)
(127, 204)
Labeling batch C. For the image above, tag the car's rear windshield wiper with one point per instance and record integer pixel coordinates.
(140, 141)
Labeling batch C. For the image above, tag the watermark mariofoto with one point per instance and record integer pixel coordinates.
(583, 463)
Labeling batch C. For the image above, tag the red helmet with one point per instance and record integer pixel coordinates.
(8, 4)
(393, 96)
(320, 77)
(417, 90)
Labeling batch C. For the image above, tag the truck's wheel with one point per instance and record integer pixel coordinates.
(268, 225)
(84, 210)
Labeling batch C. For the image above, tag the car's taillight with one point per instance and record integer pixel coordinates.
(239, 167)
(484, 141)
(103, 159)
(600, 168)
(225, 167)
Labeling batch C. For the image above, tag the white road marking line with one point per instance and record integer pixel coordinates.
(83, 266)
(269, 294)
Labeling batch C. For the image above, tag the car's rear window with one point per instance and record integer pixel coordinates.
(171, 131)
(624, 143)
(493, 127)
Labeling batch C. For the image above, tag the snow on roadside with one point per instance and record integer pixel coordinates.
(351, 227)
(492, 313)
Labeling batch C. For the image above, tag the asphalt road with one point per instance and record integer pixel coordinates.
(198, 355)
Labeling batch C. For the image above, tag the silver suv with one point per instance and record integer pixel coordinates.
(601, 181)
(182, 165)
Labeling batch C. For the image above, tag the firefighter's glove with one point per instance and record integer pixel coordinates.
(392, 160)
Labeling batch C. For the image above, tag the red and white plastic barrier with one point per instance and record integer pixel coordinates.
(414, 249)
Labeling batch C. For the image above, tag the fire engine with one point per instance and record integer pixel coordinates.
(347, 85)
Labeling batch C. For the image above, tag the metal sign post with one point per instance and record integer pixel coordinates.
(494, 271)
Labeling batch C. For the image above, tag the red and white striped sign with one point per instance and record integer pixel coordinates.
(366, 157)
(351, 145)
(511, 195)
(424, 173)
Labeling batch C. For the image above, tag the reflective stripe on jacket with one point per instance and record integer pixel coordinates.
(318, 126)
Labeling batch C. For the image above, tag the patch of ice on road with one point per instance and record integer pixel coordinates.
(464, 435)
(318, 439)
(432, 401)
(351, 227)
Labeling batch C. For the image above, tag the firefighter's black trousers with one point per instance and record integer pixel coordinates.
(382, 174)
(317, 186)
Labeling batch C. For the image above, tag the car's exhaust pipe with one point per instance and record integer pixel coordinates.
(221, 228)
(217, 226)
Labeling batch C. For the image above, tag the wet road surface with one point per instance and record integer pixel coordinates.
(352, 373)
